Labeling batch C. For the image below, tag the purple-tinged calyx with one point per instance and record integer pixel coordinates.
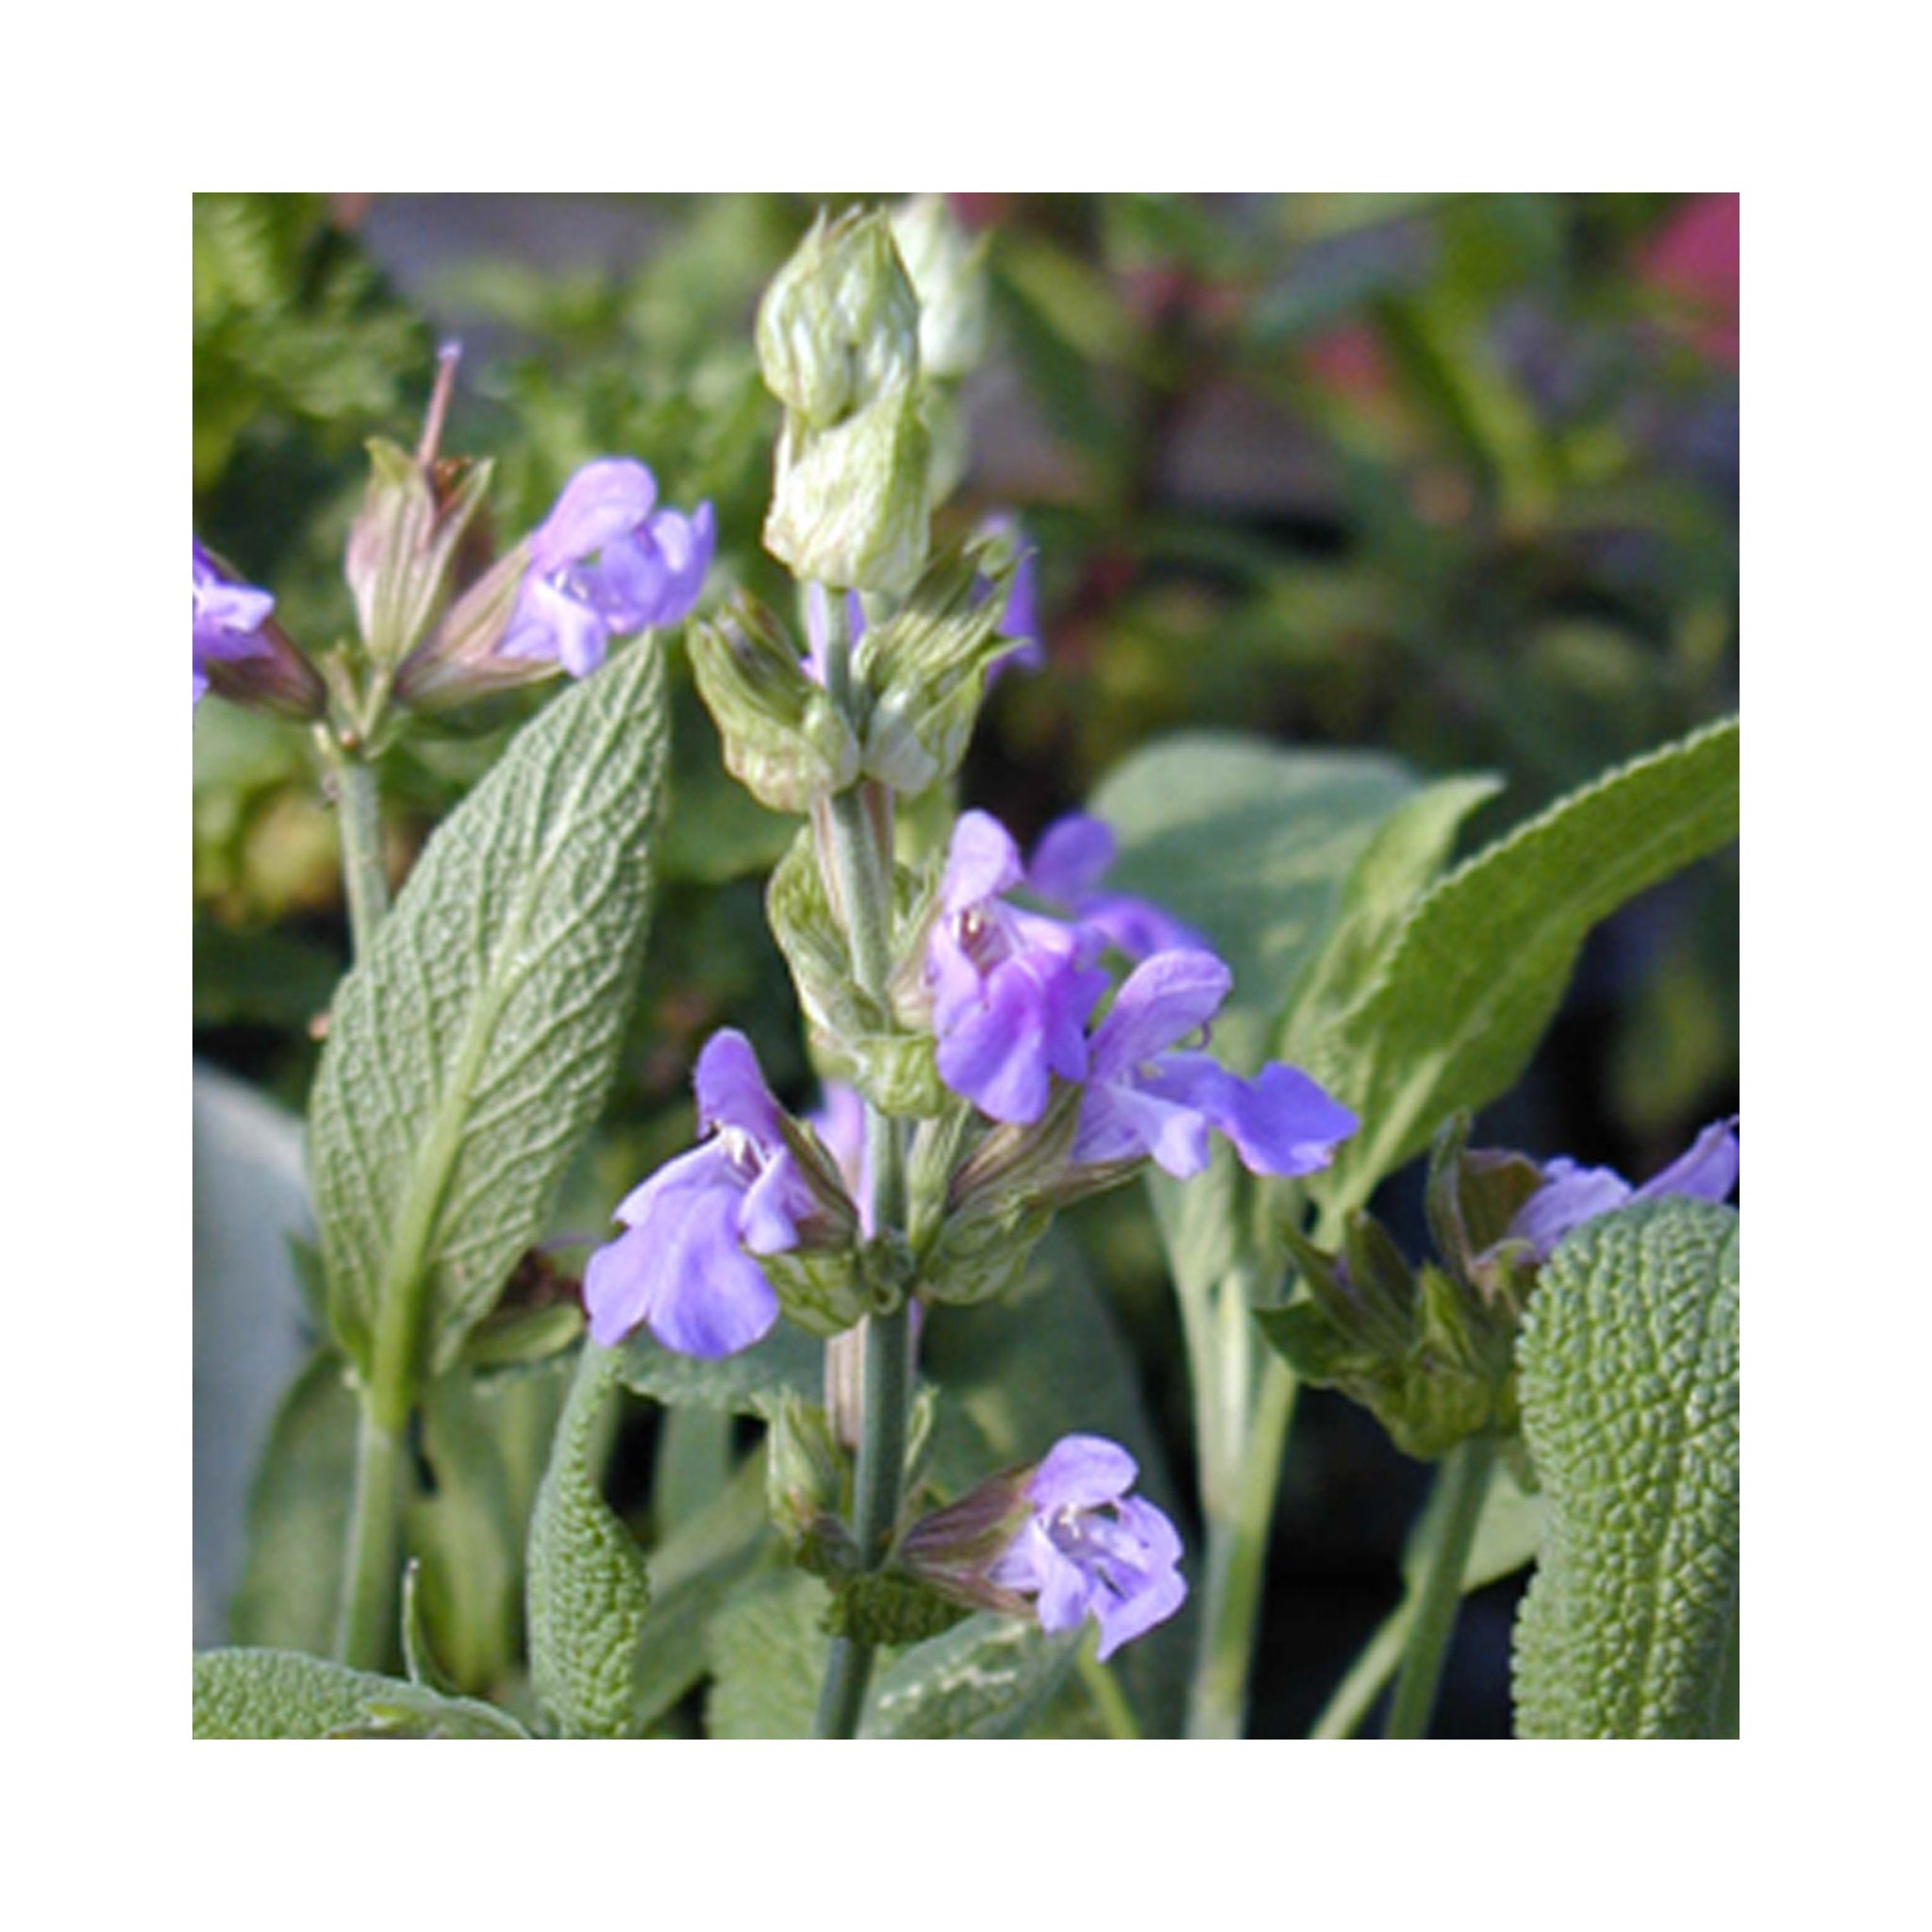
(1088, 1548)
(1145, 1099)
(1706, 1171)
(606, 563)
(240, 651)
(1010, 989)
(687, 1265)
(1074, 856)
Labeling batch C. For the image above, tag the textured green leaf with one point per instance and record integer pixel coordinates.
(1482, 963)
(749, 1383)
(1399, 863)
(989, 1678)
(767, 1653)
(1249, 845)
(1629, 1376)
(587, 1591)
(469, 1055)
(298, 1516)
(279, 1693)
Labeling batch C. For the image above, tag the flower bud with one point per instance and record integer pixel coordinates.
(924, 672)
(883, 1050)
(806, 1479)
(840, 324)
(849, 504)
(242, 653)
(785, 740)
(1431, 1359)
(999, 1206)
(948, 272)
(403, 547)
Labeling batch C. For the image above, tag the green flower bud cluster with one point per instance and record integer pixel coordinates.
(838, 340)
(404, 547)
(885, 1049)
(785, 739)
(948, 272)
(1430, 1351)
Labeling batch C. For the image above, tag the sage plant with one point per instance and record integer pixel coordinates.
(997, 1036)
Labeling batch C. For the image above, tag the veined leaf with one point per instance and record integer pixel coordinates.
(1482, 962)
(280, 1693)
(767, 1651)
(587, 1591)
(1249, 845)
(1629, 1376)
(298, 1515)
(470, 1054)
(989, 1677)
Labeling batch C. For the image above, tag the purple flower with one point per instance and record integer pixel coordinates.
(1144, 1099)
(1010, 989)
(683, 1266)
(1707, 1170)
(228, 619)
(1089, 1549)
(1074, 854)
(649, 566)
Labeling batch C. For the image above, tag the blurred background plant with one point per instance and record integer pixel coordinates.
(1449, 477)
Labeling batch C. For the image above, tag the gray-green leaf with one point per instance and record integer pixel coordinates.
(1629, 1378)
(280, 1693)
(469, 1055)
(586, 1591)
(1249, 845)
(1482, 963)
(989, 1677)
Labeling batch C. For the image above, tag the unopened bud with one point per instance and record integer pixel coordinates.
(948, 271)
(849, 504)
(924, 672)
(840, 324)
(785, 740)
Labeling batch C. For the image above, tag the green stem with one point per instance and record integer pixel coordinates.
(358, 815)
(1463, 1483)
(365, 1611)
(860, 864)
(1238, 1521)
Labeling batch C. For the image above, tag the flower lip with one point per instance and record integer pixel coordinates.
(1090, 1548)
(1572, 1194)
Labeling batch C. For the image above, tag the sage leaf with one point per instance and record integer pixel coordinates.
(1630, 1407)
(1482, 962)
(586, 1590)
(470, 1054)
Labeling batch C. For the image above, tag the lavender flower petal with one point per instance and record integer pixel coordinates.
(1091, 1549)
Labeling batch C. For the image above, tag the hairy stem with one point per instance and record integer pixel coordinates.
(359, 818)
(1463, 1484)
(365, 1611)
(861, 862)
